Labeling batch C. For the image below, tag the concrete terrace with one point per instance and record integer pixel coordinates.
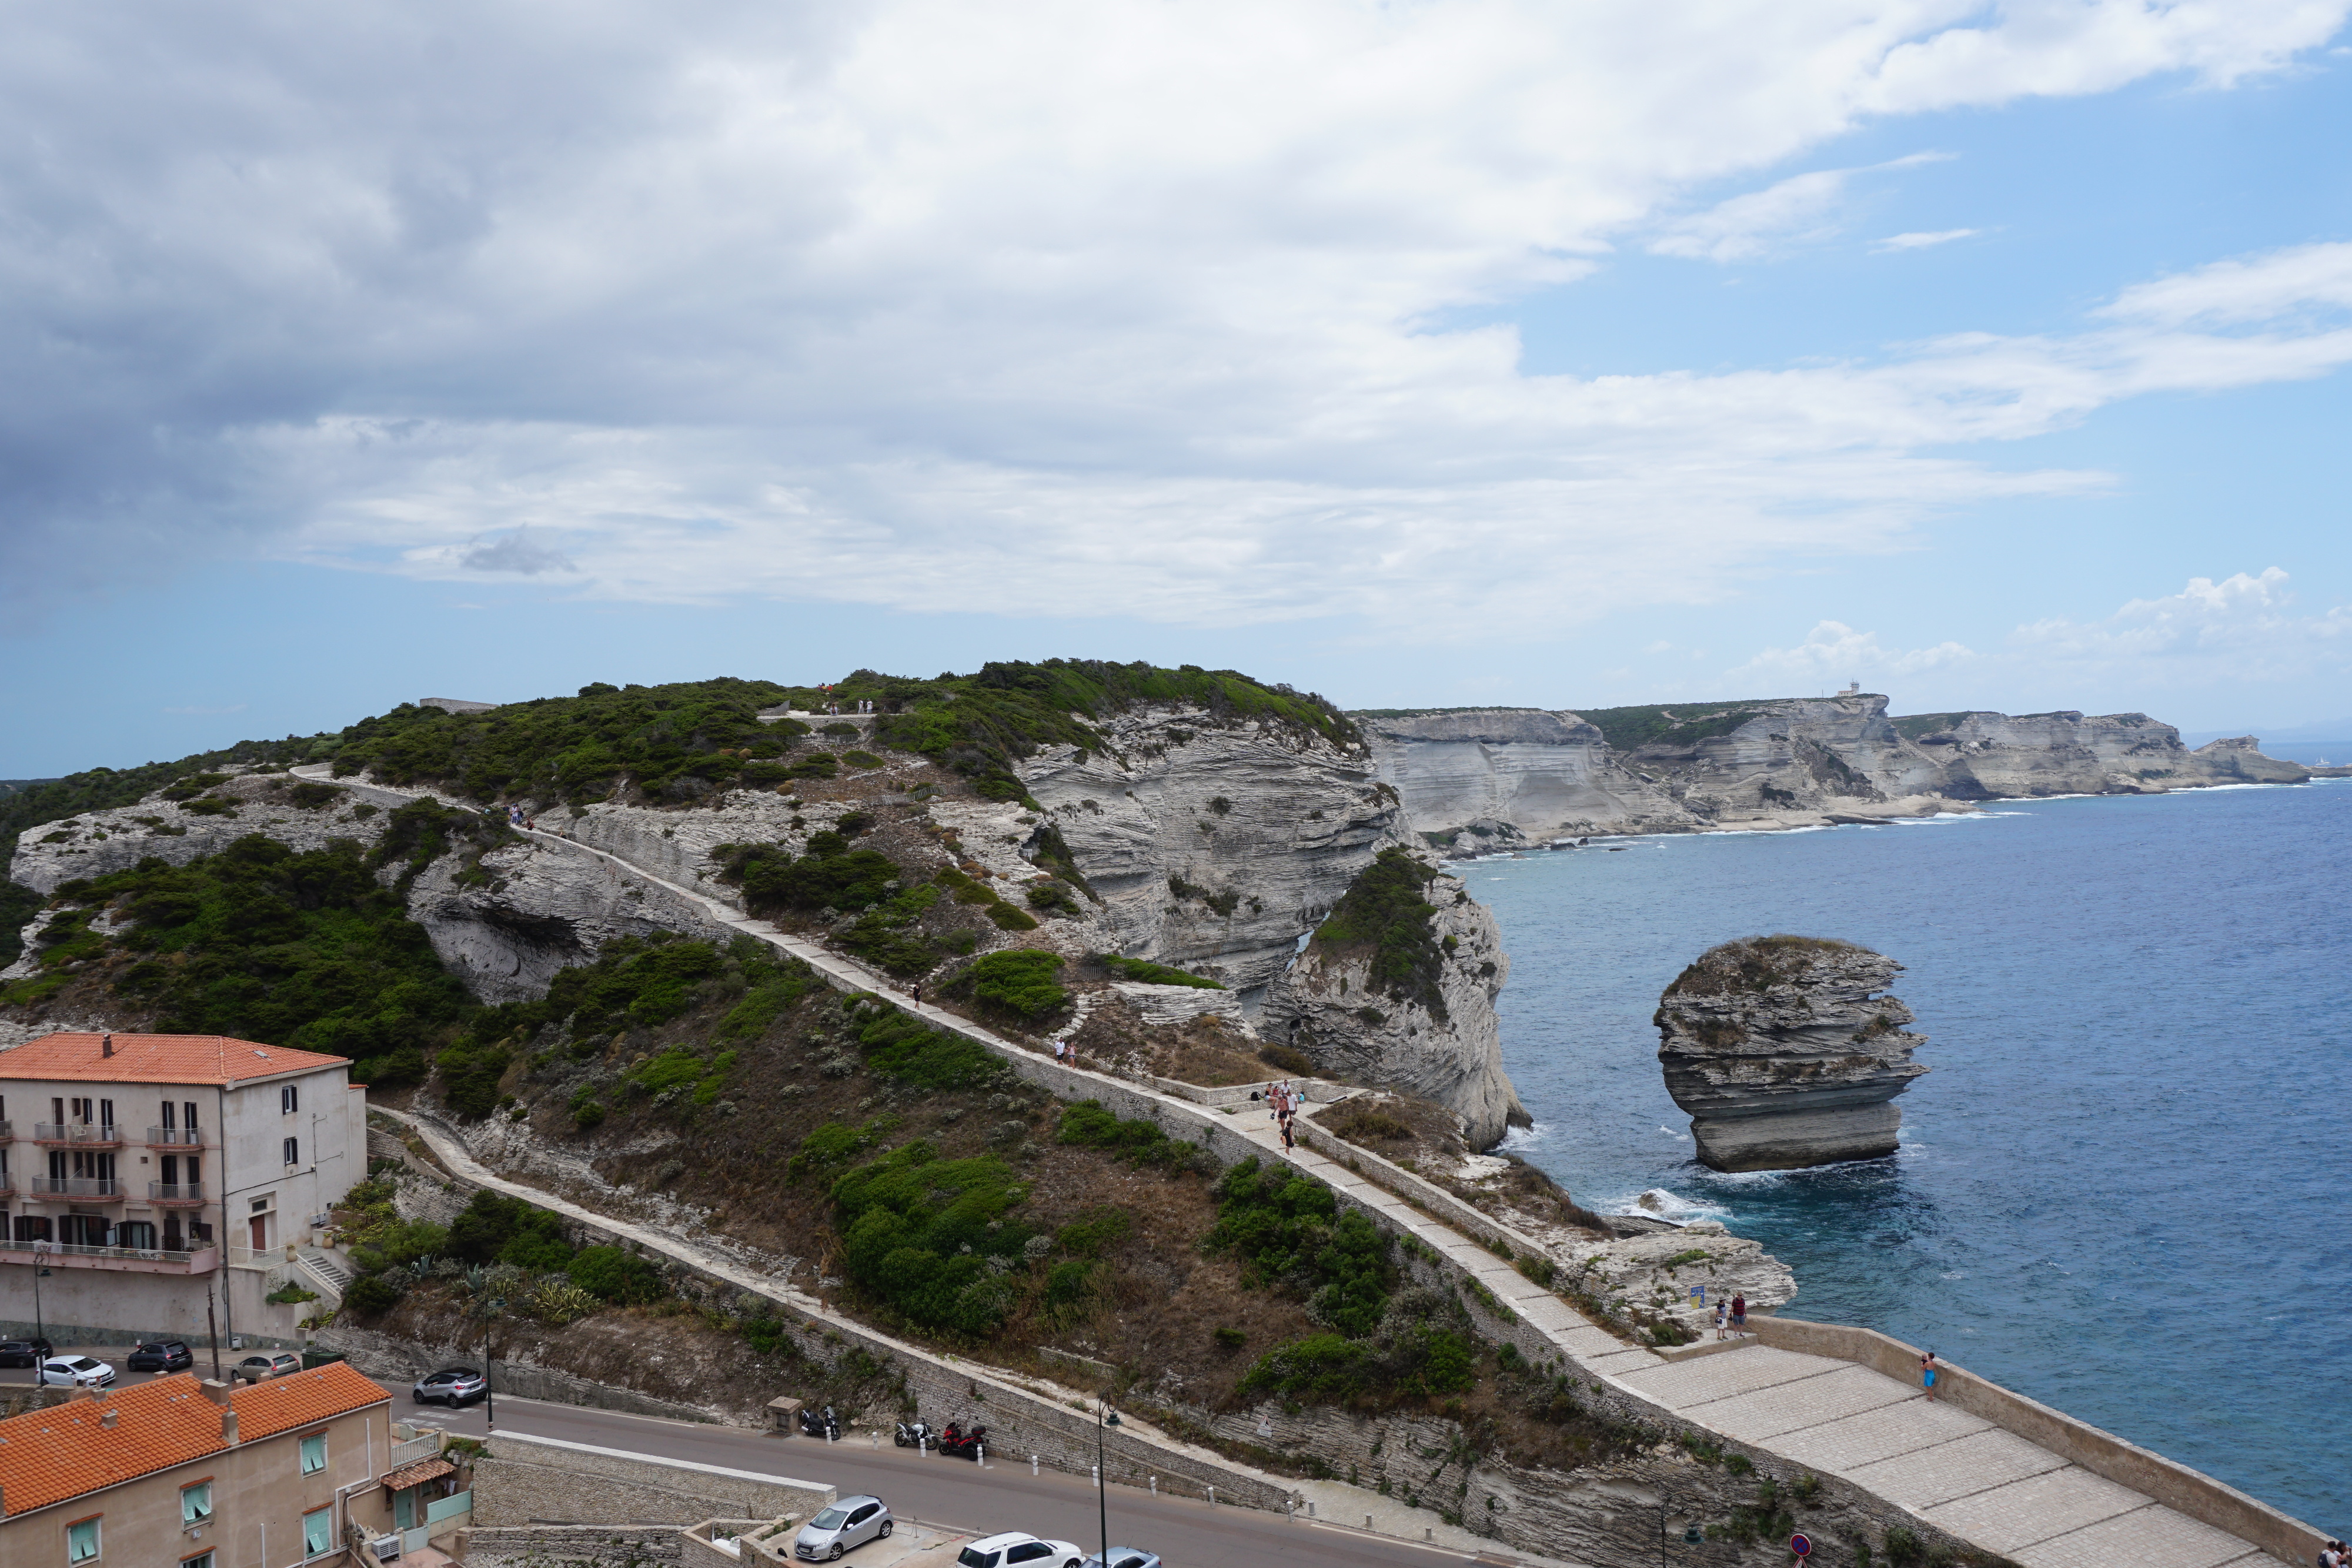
(1967, 1476)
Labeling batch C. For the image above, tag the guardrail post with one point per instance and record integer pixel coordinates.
(1155, 1487)
(1095, 1472)
(1033, 1464)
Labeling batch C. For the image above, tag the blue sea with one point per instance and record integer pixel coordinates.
(2122, 1188)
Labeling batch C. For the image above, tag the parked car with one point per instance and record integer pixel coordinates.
(275, 1364)
(852, 1522)
(76, 1370)
(163, 1356)
(1013, 1549)
(26, 1352)
(452, 1386)
(1124, 1557)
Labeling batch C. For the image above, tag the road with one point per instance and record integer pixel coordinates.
(960, 1495)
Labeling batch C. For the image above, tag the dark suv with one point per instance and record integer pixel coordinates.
(26, 1352)
(163, 1356)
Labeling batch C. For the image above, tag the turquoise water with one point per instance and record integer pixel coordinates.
(2121, 1190)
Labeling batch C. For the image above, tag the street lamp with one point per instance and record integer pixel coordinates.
(1104, 1416)
(1692, 1534)
(491, 1307)
(40, 1332)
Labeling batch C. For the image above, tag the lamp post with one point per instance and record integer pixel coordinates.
(488, 1308)
(1691, 1534)
(1104, 1416)
(40, 1332)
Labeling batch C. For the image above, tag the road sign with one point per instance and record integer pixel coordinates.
(1802, 1547)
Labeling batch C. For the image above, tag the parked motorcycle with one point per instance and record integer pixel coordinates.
(820, 1426)
(960, 1444)
(916, 1434)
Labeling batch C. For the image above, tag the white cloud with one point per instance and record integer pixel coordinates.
(1048, 308)
(1833, 653)
(2244, 629)
(1922, 239)
(1802, 207)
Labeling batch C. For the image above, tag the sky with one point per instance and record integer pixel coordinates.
(1418, 353)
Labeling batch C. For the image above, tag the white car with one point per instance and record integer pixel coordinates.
(1014, 1550)
(76, 1370)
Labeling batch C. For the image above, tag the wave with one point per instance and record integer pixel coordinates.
(1518, 1138)
(1658, 1203)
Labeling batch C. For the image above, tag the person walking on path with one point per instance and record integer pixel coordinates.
(1928, 1375)
(918, 993)
(1721, 1313)
(1739, 1314)
(1289, 1139)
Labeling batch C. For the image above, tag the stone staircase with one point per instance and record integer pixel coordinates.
(328, 1273)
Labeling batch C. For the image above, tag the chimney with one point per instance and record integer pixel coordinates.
(228, 1427)
(215, 1390)
(107, 1420)
(106, 1043)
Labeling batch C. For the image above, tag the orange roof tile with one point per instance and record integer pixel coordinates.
(157, 1059)
(47, 1456)
(298, 1399)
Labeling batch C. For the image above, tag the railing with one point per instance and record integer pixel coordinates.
(78, 1186)
(176, 1191)
(174, 1138)
(7, 1128)
(7, 1185)
(68, 1250)
(90, 1135)
(408, 1453)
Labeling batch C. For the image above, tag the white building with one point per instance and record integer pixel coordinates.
(153, 1175)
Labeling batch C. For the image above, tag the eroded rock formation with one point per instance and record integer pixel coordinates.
(1481, 778)
(1787, 1053)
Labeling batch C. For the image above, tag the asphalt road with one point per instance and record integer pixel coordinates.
(960, 1495)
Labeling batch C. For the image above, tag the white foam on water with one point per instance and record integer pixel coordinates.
(1658, 1203)
(1518, 1138)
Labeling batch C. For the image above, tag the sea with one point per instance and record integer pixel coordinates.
(2121, 1189)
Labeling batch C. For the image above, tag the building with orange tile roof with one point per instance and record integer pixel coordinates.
(178, 1471)
(152, 1175)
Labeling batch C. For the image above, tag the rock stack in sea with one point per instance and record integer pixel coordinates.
(1786, 1052)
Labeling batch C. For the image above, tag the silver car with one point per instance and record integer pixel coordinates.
(1123, 1557)
(76, 1372)
(852, 1522)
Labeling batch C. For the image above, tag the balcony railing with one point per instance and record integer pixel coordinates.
(77, 1187)
(201, 1260)
(7, 1128)
(79, 1134)
(7, 1185)
(168, 1192)
(174, 1138)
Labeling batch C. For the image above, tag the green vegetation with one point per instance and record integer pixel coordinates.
(1911, 727)
(611, 1275)
(1019, 980)
(370, 1296)
(901, 1046)
(1676, 723)
(929, 1237)
(1754, 964)
(493, 1228)
(304, 950)
(1146, 973)
(831, 876)
(1088, 1125)
(1288, 1232)
(1384, 914)
(677, 741)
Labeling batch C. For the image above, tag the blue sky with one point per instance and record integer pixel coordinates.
(1460, 353)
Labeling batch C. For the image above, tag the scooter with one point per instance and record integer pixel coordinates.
(962, 1445)
(916, 1434)
(815, 1425)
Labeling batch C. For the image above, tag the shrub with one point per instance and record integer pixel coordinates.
(310, 795)
(1020, 980)
(611, 1275)
(1053, 896)
(1231, 1338)
(918, 1235)
(494, 1228)
(1143, 972)
(1290, 1058)
(588, 1114)
(898, 1045)
(1088, 1125)
(861, 759)
(370, 1296)
(831, 874)
(1383, 914)
(1012, 919)
(560, 1301)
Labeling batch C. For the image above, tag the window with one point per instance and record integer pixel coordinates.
(196, 1503)
(293, 1151)
(81, 1541)
(289, 1100)
(201, 1560)
(171, 1116)
(314, 1453)
(188, 1114)
(319, 1532)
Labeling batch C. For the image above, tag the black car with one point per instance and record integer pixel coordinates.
(163, 1356)
(26, 1352)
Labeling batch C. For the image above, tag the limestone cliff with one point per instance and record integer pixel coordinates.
(1784, 763)
(1989, 755)
(1477, 778)
(1397, 989)
(1786, 1052)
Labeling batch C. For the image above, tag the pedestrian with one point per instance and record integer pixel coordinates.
(1739, 1314)
(1721, 1313)
(918, 993)
(1928, 1375)
(1289, 1139)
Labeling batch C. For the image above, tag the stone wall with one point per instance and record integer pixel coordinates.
(527, 1480)
(559, 1546)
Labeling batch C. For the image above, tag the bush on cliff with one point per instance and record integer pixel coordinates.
(1384, 916)
(1021, 980)
(929, 1236)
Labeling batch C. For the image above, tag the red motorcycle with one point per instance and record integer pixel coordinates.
(958, 1443)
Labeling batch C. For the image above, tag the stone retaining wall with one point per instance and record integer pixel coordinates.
(528, 1481)
(559, 1546)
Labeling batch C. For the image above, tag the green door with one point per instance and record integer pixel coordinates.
(404, 1509)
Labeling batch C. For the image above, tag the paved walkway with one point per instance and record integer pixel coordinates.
(1980, 1483)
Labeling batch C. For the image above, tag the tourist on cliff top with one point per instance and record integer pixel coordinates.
(1928, 1375)
(1739, 1314)
(1722, 1311)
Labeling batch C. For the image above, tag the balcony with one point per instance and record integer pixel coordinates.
(174, 1138)
(7, 1185)
(78, 1134)
(103, 1188)
(7, 1130)
(117, 1260)
(176, 1194)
